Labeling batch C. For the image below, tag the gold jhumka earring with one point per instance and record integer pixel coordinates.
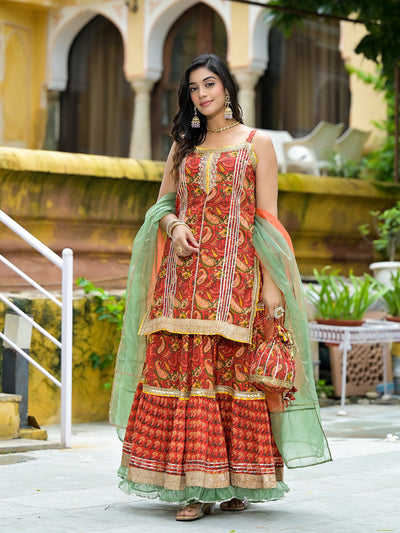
(228, 114)
(195, 120)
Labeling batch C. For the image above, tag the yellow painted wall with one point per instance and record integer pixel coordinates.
(134, 67)
(238, 51)
(23, 36)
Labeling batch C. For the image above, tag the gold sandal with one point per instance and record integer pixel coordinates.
(201, 509)
(226, 506)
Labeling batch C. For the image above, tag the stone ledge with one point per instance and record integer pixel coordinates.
(5, 397)
(9, 415)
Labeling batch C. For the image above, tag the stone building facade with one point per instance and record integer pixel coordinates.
(101, 77)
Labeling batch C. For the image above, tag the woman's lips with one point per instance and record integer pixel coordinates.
(205, 104)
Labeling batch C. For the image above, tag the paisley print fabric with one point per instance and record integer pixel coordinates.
(215, 291)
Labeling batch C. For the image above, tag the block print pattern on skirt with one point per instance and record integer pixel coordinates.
(198, 429)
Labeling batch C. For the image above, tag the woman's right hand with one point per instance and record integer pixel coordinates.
(183, 241)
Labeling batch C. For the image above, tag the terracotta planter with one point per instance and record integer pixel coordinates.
(339, 322)
(393, 318)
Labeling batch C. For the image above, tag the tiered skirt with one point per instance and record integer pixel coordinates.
(198, 429)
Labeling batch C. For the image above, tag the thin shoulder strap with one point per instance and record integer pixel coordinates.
(251, 135)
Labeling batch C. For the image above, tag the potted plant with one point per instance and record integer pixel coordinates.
(343, 302)
(336, 299)
(392, 298)
(386, 226)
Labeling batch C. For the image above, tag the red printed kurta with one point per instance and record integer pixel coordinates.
(215, 291)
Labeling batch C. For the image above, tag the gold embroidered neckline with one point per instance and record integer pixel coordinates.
(230, 148)
(226, 148)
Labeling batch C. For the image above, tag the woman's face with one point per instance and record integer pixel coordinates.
(207, 92)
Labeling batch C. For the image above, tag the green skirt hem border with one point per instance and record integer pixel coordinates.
(200, 494)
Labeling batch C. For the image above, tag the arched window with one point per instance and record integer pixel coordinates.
(199, 30)
(96, 108)
(306, 80)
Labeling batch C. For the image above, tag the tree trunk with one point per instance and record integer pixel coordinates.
(396, 120)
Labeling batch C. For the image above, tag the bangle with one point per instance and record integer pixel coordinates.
(171, 225)
(177, 223)
(168, 226)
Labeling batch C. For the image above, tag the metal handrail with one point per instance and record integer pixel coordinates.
(66, 265)
(30, 280)
(30, 320)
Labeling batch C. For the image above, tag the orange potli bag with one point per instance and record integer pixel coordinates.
(273, 368)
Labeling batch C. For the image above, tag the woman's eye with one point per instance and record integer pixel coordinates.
(192, 89)
(210, 84)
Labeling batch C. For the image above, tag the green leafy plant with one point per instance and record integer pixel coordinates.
(392, 295)
(379, 164)
(337, 298)
(386, 225)
(341, 167)
(324, 390)
(110, 308)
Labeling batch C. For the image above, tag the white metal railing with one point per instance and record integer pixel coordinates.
(66, 265)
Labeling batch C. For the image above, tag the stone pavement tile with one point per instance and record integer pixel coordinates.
(76, 491)
(63, 500)
(359, 524)
(8, 509)
(139, 516)
(366, 421)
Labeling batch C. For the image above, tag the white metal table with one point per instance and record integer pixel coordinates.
(372, 331)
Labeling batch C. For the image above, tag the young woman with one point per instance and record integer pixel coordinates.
(198, 431)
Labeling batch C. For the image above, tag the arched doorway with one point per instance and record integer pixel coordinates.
(96, 108)
(306, 80)
(199, 30)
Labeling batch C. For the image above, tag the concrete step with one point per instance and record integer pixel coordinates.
(26, 445)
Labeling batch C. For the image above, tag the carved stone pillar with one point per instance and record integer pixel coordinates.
(140, 146)
(247, 79)
(52, 134)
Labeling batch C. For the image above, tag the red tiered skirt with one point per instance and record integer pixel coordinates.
(198, 429)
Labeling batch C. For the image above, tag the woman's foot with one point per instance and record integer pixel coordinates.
(235, 505)
(194, 511)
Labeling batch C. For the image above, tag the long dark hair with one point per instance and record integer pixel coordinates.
(183, 134)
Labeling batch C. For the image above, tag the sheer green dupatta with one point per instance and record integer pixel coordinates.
(146, 255)
(297, 430)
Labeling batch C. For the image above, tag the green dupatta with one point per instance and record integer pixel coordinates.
(297, 430)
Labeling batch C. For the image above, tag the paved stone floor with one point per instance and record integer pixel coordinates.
(75, 490)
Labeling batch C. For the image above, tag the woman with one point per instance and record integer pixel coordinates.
(198, 431)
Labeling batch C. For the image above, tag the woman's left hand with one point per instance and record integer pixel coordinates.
(271, 296)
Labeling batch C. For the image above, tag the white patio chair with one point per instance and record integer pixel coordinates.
(350, 144)
(278, 137)
(308, 154)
